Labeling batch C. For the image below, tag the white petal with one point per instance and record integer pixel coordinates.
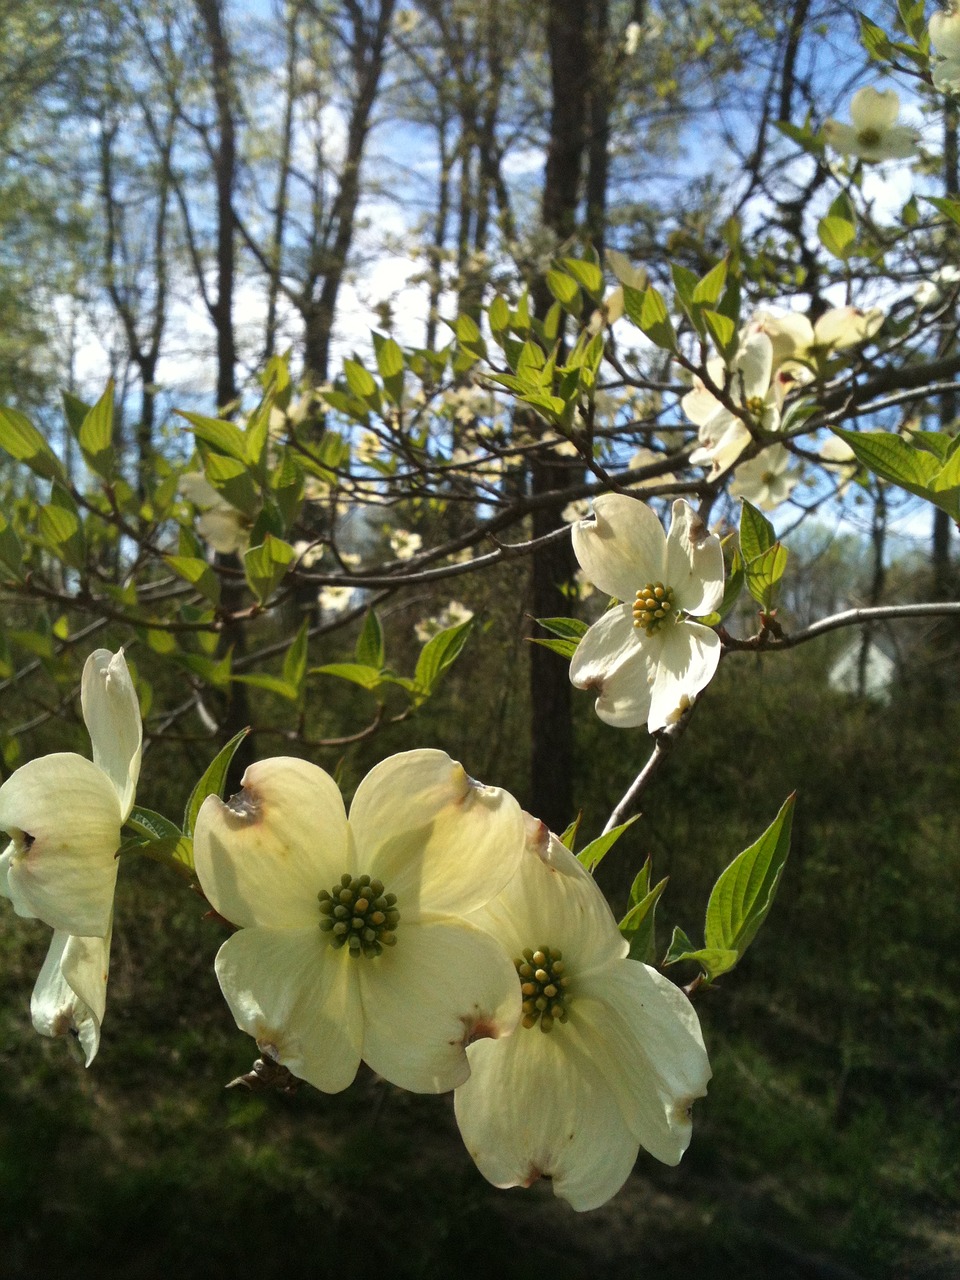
(111, 713)
(945, 34)
(438, 840)
(874, 109)
(946, 75)
(444, 984)
(843, 138)
(688, 662)
(533, 1107)
(752, 369)
(262, 858)
(5, 859)
(846, 326)
(643, 1036)
(64, 817)
(554, 902)
(224, 528)
(694, 562)
(790, 332)
(623, 548)
(623, 695)
(723, 438)
(71, 992)
(298, 998)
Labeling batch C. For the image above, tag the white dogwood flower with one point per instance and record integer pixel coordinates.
(64, 814)
(944, 31)
(352, 939)
(609, 1056)
(219, 523)
(874, 134)
(723, 434)
(766, 480)
(644, 659)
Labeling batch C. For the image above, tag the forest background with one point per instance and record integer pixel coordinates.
(203, 202)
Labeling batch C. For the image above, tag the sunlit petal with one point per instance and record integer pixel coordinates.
(70, 994)
(694, 562)
(688, 662)
(438, 840)
(263, 857)
(533, 1107)
(298, 998)
(111, 712)
(623, 547)
(444, 984)
(64, 819)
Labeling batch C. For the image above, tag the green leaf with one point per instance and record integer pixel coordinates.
(439, 654)
(638, 926)
(732, 586)
(569, 837)
(764, 573)
(498, 316)
(592, 854)
(564, 289)
(153, 825)
(370, 650)
(389, 359)
(684, 282)
(586, 273)
(744, 893)
(266, 565)
(917, 470)
(648, 311)
(836, 236)
(95, 435)
(565, 648)
(198, 573)
(21, 439)
(874, 39)
(62, 533)
(712, 961)
(225, 437)
(11, 550)
(212, 781)
(756, 532)
(233, 480)
(723, 330)
(709, 289)
(355, 672)
(568, 628)
(295, 659)
(359, 381)
(282, 687)
(948, 207)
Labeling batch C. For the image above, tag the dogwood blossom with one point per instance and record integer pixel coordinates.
(874, 134)
(64, 814)
(766, 480)
(219, 523)
(644, 658)
(944, 28)
(795, 338)
(609, 1056)
(353, 940)
(723, 434)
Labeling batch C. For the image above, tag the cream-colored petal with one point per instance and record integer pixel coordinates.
(752, 369)
(623, 687)
(552, 902)
(688, 662)
(843, 138)
(644, 1038)
(263, 857)
(723, 439)
(438, 840)
(70, 995)
(946, 75)
(842, 327)
(224, 528)
(63, 816)
(694, 562)
(790, 333)
(612, 640)
(298, 998)
(944, 30)
(874, 109)
(445, 983)
(111, 712)
(700, 405)
(534, 1107)
(5, 859)
(623, 547)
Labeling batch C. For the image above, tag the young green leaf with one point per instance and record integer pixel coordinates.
(757, 534)
(212, 781)
(370, 650)
(638, 925)
(266, 565)
(21, 439)
(95, 435)
(439, 654)
(592, 854)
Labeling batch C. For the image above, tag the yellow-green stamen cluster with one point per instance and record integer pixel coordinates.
(652, 607)
(359, 915)
(543, 984)
(757, 406)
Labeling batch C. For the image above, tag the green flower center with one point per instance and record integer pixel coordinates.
(869, 137)
(356, 913)
(653, 607)
(757, 406)
(543, 984)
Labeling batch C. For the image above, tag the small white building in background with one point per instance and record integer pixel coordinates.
(879, 671)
